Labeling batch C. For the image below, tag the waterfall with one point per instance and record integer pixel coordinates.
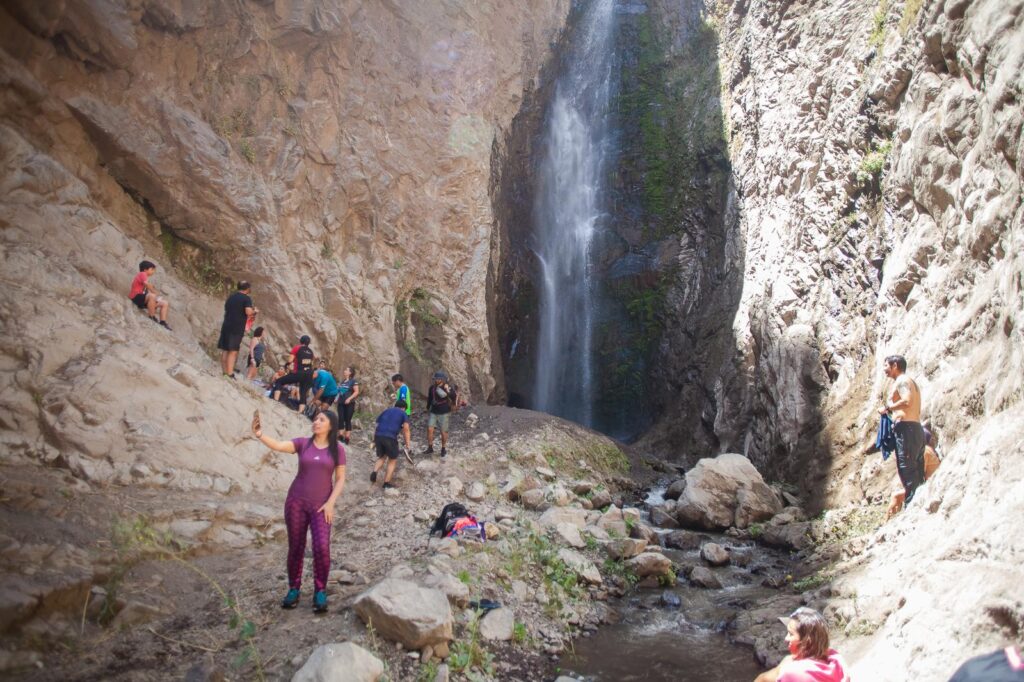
(567, 208)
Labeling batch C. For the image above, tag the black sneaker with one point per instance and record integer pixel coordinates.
(291, 600)
(388, 486)
(373, 477)
(429, 450)
(444, 452)
(164, 324)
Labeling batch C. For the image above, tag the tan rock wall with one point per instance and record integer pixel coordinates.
(335, 154)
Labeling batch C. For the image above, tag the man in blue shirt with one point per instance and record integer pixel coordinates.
(385, 440)
(325, 387)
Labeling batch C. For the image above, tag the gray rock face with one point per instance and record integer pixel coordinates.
(346, 662)
(723, 492)
(406, 613)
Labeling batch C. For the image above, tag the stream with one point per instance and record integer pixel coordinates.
(681, 634)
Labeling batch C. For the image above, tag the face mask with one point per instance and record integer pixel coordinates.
(794, 647)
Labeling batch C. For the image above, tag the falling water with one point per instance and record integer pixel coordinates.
(567, 208)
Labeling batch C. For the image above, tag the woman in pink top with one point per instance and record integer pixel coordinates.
(810, 658)
(310, 502)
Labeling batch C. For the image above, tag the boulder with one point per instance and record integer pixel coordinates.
(714, 554)
(661, 517)
(682, 539)
(534, 500)
(582, 487)
(794, 536)
(642, 531)
(725, 491)
(601, 498)
(583, 567)
(650, 564)
(570, 535)
(345, 662)
(498, 625)
(476, 491)
(453, 588)
(404, 612)
(676, 489)
(703, 577)
(557, 515)
(614, 521)
(624, 548)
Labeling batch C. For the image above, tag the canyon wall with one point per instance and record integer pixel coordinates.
(337, 155)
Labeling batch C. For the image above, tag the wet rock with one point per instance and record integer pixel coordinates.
(346, 662)
(650, 564)
(725, 491)
(683, 539)
(661, 517)
(407, 613)
(624, 548)
(497, 625)
(670, 600)
(703, 577)
(675, 489)
(714, 554)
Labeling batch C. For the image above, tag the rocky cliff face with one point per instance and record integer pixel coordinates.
(875, 152)
(334, 154)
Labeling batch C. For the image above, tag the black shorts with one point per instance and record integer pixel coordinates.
(328, 400)
(253, 362)
(140, 300)
(229, 341)
(386, 447)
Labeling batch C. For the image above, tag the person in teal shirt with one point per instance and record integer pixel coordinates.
(402, 393)
(325, 387)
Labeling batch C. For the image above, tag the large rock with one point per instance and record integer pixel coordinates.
(534, 499)
(650, 564)
(345, 662)
(556, 515)
(581, 565)
(675, 490)
(725, 491)
(570, 535)
(453, 588)
(624, 548)
(714, 554)
(704, 577)
(682, 539)
(498, 625)
(404, 612)
(614, 521)
(789, 536)
(661, 517)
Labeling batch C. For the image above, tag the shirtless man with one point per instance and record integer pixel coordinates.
(904, 406)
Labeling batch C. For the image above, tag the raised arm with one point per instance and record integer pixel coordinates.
(285, 446)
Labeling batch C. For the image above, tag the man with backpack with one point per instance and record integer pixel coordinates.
(441, 398)
(390, 423)
(301, 360)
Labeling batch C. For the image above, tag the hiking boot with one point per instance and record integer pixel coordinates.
(320, 602)
(154, 318)
(429, 450)
(291, 600)
(373, 477)
(163, 323)
(444, 452)
(388, 485)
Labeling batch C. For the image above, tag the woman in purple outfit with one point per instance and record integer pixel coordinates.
(310, 502)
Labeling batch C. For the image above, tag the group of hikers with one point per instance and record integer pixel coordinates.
(305, 383)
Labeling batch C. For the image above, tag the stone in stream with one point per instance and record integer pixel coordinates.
(725, 491)
(682, 539)
(642, 531)
(345, 662)
(404, 612)
(670, 600)
(675, 489)
(714, 554)
(650, 564)
(498, 625)
(703, 577)
(661, 517)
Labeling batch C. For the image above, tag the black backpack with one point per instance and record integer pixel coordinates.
(304, 360)
(447, 517)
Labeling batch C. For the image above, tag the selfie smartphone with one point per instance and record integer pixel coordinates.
(256, 419)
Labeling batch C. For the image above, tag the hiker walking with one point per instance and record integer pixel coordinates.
(145, 296)
(385, 440)
(310, 502)
(348, 391)
(238, 309)
(257, 349)
(301, 361)
(441, 396)
(904, 407)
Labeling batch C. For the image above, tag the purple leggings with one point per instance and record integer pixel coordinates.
(300, 514)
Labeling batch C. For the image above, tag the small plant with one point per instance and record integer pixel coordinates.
(756, 530)
(877, 36)
(520, 633)
(669, 579)
(427, 672)
(246, 150)
(621, 571)
(813, 581)
(873, 163)
(469, 653)
(910, 10)
(464, 577)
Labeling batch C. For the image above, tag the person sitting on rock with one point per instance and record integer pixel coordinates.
(810, 658)
(325, 387)
(301, 362)
(144, 295)
(931, 463)
(441, 396)
(904, 406)
(257, 349)
(385, 440)
(310, 502)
